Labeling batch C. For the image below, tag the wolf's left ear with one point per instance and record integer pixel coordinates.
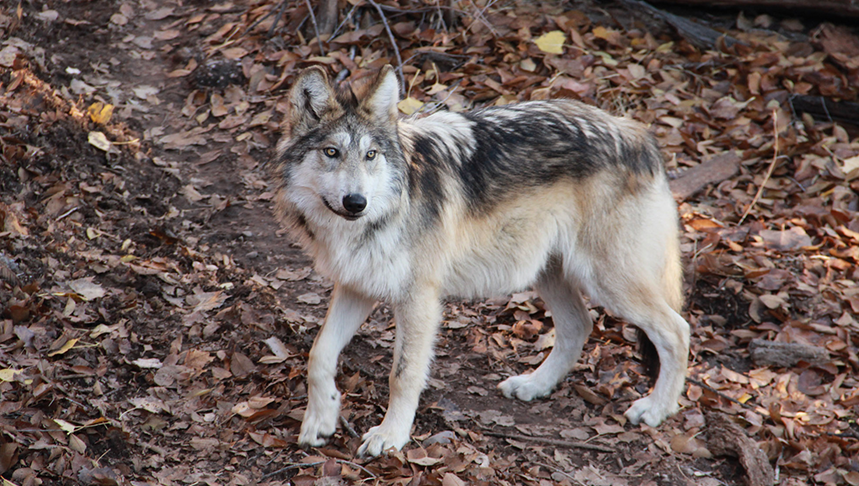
(384, 95)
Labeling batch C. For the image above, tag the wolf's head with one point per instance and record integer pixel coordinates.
(341, 155)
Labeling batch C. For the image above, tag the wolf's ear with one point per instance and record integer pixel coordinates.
(310, 99)
(384, 95)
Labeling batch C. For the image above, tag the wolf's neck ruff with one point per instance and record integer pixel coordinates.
(555, 194)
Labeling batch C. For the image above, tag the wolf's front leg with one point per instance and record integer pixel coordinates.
(347, 311)
(417, 324)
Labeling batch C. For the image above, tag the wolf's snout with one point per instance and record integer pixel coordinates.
(354, 203)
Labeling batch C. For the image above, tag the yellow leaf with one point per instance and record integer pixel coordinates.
(99, 141)
(551, 42)
(851, 164)
(9, 374)
(410, 105)
(66, 347)
(100, 112)
(66, 426)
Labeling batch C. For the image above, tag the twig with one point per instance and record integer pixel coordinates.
(346, 425)
(291, 466)
(769, 170)
(310, 464)
(345, 19)
(277, 18)
(720, 394)
(315, 27)
(343, 461)
(551, 441)
(393, 46)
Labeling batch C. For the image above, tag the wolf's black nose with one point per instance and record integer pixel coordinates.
(354, 203)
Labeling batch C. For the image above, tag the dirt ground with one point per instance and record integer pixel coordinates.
(156, 321)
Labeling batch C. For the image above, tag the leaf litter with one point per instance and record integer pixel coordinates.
(149, 339)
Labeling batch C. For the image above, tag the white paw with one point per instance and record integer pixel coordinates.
(380, 438)
(524, 387)
(320, 421)
(650, 411)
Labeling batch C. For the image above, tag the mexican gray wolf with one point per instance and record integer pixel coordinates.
(554, 195)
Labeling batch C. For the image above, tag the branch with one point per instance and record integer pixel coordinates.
(551, 441)
(315, 27)
(393, 45)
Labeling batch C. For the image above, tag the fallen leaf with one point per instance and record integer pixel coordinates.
(551, 42)
(86, 289)
(310, 298)
(410, 105)
(67, 346)
(99, 141)
(100, 112)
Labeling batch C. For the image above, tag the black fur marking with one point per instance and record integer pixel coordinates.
(301, 224)
(562, 146)
(401, 367)
(429, 161)
(308, 105)
(373, 228)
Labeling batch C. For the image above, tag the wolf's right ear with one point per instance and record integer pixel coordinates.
(384, 95)
(310, 98)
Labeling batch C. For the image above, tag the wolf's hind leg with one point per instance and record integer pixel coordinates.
(573, 325)
(669, 333)
(348, 310)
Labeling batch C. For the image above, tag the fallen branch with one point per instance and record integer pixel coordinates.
(837, 7)
(713, 171)
(770, 353)
(700, 36)
(728, 439)
(826, 109)
(551, 441)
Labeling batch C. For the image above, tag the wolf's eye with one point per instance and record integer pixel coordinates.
(331, 152)
(371, 155)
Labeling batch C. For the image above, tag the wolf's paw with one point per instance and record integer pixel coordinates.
(379, 439)
(525, 387)
(650, 411)
(319, 423)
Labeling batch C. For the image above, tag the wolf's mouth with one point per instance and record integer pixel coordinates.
(346, 216)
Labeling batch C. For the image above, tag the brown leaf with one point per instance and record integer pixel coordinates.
(241, 365)
(788, 240)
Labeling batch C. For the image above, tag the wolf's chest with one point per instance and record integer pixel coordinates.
(377, 264)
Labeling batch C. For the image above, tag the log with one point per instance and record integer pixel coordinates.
(833, 7)
(826, 109)
(713, 171)
(699, 35)
(728, 439)
(771, 353)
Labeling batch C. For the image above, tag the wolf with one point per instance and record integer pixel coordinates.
(554, 195)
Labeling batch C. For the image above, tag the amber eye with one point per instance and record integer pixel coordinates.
(331, 152)
(371, 155)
